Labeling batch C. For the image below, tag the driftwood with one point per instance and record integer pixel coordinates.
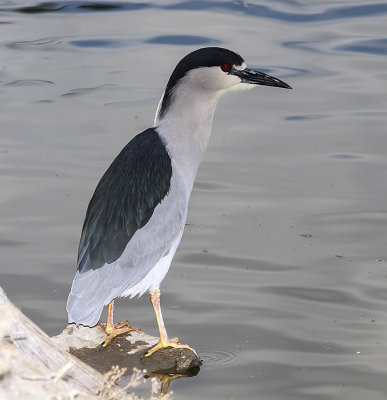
(50, 359)
(37, 363)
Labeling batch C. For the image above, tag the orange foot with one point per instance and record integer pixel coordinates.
(163, 344)
(115, 330)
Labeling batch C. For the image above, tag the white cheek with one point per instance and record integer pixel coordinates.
(226, 81)
(211, 78)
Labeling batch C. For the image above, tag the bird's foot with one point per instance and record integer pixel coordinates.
(115, 330)
(163, 344)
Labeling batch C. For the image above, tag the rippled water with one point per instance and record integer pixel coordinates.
(280, 280)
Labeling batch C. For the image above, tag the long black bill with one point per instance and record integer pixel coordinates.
(258, 78)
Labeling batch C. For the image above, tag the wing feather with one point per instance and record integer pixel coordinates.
(114, 254)
(124, 200)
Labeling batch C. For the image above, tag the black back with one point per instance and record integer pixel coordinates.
(124, 200)
(205, 57)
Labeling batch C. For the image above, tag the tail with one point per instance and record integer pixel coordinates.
(86, 299)
(80, 313)
(91, 291)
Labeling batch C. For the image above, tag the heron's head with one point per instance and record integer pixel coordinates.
(212, 71)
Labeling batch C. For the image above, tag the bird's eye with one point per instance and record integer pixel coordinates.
(225, 67)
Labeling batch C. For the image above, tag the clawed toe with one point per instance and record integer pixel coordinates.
(169, 343)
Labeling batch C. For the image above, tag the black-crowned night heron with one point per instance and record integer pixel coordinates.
(136, 217)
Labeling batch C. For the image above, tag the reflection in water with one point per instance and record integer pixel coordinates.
(43, 42)
(166, 379)
(82, 91)
(188, 40)
(375, 46)
(179, 40)
(30, 82)
(79, 6)
(242, 7)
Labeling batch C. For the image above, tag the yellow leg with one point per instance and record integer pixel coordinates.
(113, 329)
(164, 341)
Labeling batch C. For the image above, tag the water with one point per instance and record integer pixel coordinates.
(280, 279)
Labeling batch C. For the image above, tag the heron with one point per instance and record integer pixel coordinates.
(136, 216)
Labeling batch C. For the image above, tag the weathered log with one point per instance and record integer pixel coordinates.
(40, 360)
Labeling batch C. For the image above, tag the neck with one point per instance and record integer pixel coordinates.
(186, 129)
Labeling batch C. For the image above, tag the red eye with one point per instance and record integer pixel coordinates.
(225, 67)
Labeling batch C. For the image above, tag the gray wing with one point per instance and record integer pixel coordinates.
(94, 288)
(124, 200)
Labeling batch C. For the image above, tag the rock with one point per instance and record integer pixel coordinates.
(126, 351)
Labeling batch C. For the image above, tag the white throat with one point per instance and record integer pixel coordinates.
(186, 123)
(186, 128)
